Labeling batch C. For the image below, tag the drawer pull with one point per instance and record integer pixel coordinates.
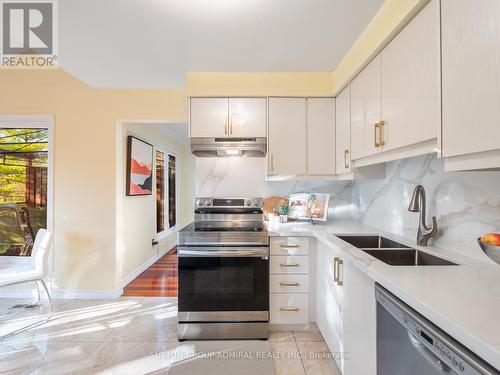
(289, 246)
(289, 309)
(289, 284)
(289, 265)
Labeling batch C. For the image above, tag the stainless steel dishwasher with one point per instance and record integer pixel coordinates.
(409, 344)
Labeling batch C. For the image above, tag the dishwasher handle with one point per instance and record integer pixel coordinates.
(428, 355)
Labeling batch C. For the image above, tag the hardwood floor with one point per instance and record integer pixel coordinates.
(159, 280)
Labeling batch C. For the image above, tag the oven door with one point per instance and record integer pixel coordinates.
(223, 283)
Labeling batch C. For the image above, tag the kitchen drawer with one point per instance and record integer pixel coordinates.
(289, 283)
(289, 308)
(289, 264)
(289, 245)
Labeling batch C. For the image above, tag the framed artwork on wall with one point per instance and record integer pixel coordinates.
(139, 167)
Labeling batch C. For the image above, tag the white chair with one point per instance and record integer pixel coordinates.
(36, 271)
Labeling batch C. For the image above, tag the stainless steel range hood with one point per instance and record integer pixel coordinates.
(225, 147)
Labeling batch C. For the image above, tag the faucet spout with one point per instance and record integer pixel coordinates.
(418, 204)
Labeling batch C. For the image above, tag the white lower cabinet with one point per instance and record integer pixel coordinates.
(289, 246)
(289, 264)
(289, 280)
(328, 301)
(359, 322)
(289, 308)
(345, 311)
(289, 283)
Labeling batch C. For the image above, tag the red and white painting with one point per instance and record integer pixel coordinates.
(139, 167)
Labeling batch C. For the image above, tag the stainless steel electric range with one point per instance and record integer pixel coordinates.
(224, 271)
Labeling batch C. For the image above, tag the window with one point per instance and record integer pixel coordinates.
(166, 171)
(23, 188)
(160, 192)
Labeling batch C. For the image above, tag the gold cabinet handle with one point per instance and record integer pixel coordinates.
(226, 128)
(272, 163)
(335, 269)
(381, 142)
(231, 126)
(346, 154)
(289, 265)
(289, 309)
(339, 263)
(289, 284)
(289, 246)
(375, 141)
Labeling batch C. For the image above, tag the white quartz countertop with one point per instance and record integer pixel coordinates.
(463, 300)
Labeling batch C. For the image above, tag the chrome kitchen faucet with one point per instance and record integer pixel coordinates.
(418, 204)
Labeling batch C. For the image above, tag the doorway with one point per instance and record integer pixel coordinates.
(147, 225)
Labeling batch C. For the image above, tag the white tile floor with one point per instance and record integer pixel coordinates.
(138, 336)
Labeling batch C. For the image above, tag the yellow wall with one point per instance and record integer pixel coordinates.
(84, 168)
(392, 15)
(262, 84)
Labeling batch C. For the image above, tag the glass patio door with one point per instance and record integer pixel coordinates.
(23, 187)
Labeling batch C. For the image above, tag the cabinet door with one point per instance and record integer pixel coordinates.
(471, 76)
(358, 321)
(343, 132)
(247, 117)
(208, 117)
(365, 110)
(410, 82)
(287, 135)
(328, 303)
(320, 136)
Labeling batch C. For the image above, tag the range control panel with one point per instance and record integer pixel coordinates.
(229, 202)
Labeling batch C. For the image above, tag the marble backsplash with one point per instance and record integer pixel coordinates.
(466, 204)
(223, 177)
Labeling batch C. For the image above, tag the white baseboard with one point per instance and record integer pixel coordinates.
(28, 292)
(87, 294)
(127, 280)
(62, 294)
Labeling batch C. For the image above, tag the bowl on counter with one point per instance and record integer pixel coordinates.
(492, 251)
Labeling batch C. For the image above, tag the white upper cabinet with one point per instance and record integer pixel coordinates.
(471, 83)
(366, 111)
(395, 100)
(247, 117)
(343, 132)
(209, 117)
(286, 136)
(321, 136)
(227, 117)
(410, 82)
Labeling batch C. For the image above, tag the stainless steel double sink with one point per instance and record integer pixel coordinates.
(394, 253)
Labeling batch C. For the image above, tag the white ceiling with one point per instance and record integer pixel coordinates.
(177, 132)
(153, 43)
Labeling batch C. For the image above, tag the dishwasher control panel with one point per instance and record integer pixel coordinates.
(445, 353)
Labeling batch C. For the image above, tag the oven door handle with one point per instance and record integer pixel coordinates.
(223, 252)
